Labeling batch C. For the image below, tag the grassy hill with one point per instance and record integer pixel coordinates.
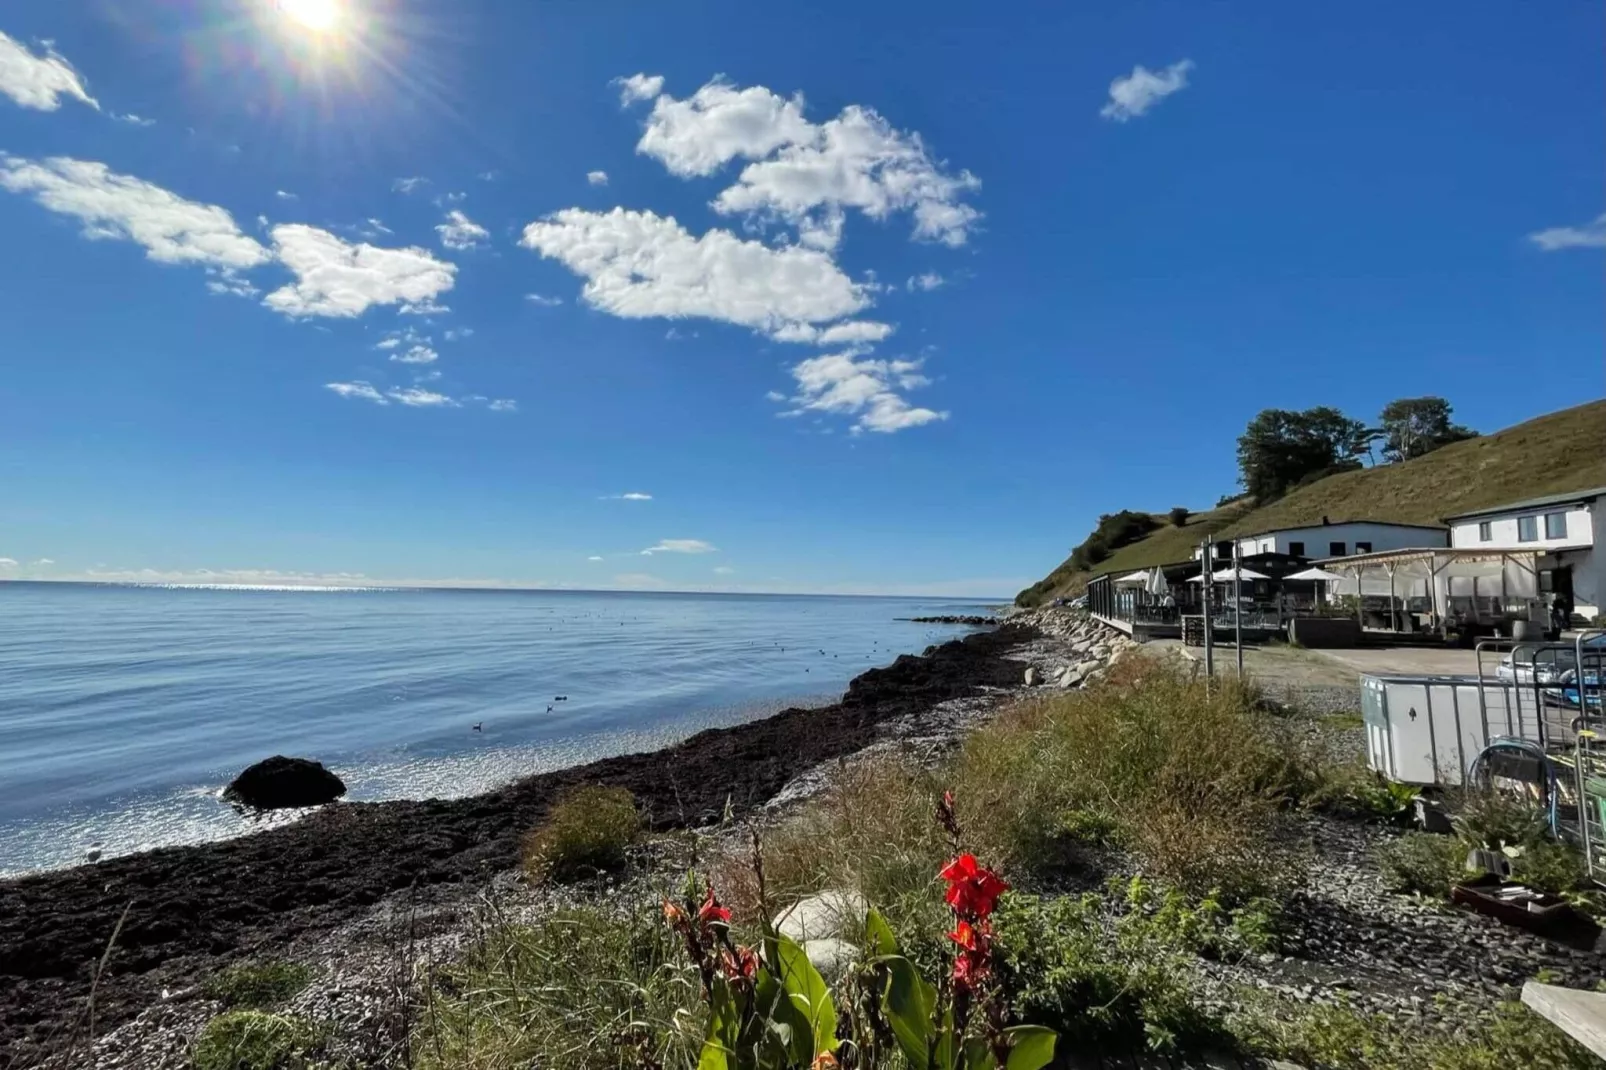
(1554, 454)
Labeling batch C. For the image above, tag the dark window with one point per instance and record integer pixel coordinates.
(1297, 549)
(1224, 550)
(1555, 525)
(1527, 529)
(1363, 547)
(1335, 549)
(1485, 533)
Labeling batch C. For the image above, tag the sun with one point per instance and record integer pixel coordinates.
(320, 16)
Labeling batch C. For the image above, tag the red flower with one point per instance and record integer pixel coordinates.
(973, 889)
(964, 935)
(711, 911)
(743, 964)
(971, 967)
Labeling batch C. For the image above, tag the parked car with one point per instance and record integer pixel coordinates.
(1555, 669)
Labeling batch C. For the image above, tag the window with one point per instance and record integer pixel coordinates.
(1555, 525)
(1527, 529)
(1224, 550)
(1297, 549)
(1363, 547)
(1335, 549)
(1485, 533)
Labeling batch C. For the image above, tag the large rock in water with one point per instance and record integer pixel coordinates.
(279, 783)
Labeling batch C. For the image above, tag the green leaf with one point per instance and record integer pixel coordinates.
(979, 1055)
(878, 938)
(808, 993)
(908, 1004)
(719, 1045)
(1031, 1047)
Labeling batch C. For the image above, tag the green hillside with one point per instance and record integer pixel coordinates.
(1554, 454)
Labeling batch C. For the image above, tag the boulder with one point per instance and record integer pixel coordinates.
(279, 783)
(831, 957)
(1033, 677)
(826, 916)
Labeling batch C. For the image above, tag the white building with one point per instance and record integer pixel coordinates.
(1562, 527)
(1336, 540)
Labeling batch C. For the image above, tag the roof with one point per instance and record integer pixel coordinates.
(1334, 524)
(1464, 553)
(1532, 503)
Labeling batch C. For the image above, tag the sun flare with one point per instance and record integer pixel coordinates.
(320, 16)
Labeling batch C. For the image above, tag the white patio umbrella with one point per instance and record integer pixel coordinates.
(1315, 574)
(1157, 585)
(1133, 579)
(1224, 575)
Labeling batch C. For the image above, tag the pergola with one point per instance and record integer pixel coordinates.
(1437, 573)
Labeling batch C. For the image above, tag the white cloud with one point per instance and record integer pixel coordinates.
(597, 178)
(456, 333)
(45, 561)
(38, 81)
(133, 120)
(724, 570)
(341, 279)
(1141, 90)
(543, 301)
(1589, 236)
(928, 281)
(681, 546)
(8, 562)
(594, 557)
(807, 174)
(503, 405)
(417, 397)
(852, 333)
(461, 232)
(423, 308)
(418, 354)
(867, 389)
(638, 87)
(285, 195)
(396, 339)
(358, 389)
(408, 185)
(114, 206)
(490, 176)
(857, 160)
(628, 496)
(451, 198)
(640, 265)
(717, 124)
(224, 281)
(429, 375)
(375, 227)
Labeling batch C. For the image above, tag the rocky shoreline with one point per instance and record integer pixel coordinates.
(191, 910)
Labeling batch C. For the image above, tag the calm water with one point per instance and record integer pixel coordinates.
(124, 710)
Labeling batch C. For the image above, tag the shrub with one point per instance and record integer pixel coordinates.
(258, 984)
(580, 988)
(1059, 970)
(1358, 792)
(585, 834)
(1190, 778)
(1423, 862)
(1178, 516)
(1549, 866)
(255, 1040)
(1495, 819)
(1114, 531)
(1342, 1038)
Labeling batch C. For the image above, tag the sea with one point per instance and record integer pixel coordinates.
(125, 709)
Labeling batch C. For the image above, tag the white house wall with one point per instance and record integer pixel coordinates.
(1316, 539)
(1503, 529)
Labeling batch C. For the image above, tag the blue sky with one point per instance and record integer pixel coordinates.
(868, 298)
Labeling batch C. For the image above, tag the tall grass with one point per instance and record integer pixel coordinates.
(585, 988)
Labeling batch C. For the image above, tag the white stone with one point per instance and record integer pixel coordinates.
(825, 916)
(831, 956)
(1033, 677)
